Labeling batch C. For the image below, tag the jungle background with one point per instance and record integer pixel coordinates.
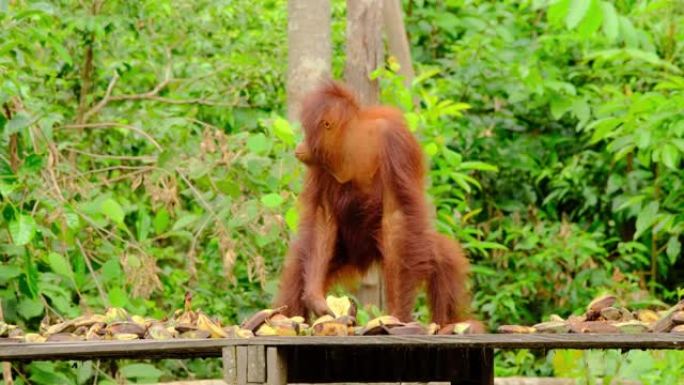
(146, 152)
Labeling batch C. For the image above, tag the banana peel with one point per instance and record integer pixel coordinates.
(341, 306)
(256, 320)
(206, 324)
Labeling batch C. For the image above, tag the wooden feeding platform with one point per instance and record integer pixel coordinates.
(459, 359)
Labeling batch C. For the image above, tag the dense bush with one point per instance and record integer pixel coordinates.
(144, 154)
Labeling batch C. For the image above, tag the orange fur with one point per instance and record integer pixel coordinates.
(363, 203)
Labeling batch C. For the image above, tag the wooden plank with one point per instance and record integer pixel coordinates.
(185, 348)
(480, 366)
(241, 365)
(230, 365)
(89, 350)
(276, 367)
(372, 364)
(494, 341)
(256, 364)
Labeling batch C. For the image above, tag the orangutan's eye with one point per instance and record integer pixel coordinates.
(326, 124)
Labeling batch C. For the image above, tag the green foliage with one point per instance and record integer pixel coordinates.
(144, 154)
(592, 367)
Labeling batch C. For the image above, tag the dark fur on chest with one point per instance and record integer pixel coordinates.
(359, 218)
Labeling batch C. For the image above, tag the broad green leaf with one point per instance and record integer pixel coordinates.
(143, 224)
(611, 25)
(576, 12)
(161, 221)
(184, 221)
(581, 110)
(592, 20)
(29, 308)
(117, 297)
(44, 372)
(558, 11)
(412, 120)
(22, 229)
(283, 130)
(628, 33)
(111, 270)
(7, 188)
(646, 218)
(272, 200)
(8, 272)
(16, 124)
(674, 249)
(258, 143)
(603, 128)
(292, 219)
(679, 143)
(559, 106)
(431, 149)
(145, 371)
(229, 187)
(476, 165)
(112, 210)
(72, 220)
(670, 156)
(59, 265)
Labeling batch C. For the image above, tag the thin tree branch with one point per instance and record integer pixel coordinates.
(86, 258)
(102, 103)
(114, 124)
(113, 157)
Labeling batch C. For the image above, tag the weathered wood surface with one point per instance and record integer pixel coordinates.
(376, 363)
(212, 347)
(495, 341)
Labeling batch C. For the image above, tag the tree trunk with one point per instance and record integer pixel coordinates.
(364, 47)
(309, 51)
(397, 39)
(364, 55)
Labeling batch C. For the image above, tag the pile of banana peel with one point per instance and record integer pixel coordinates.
(271, 322)
(117, 325)
(604, 315)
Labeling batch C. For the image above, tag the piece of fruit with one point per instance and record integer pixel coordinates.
(63, 337)
(552, 327)
(456, 328)
(125, 336)
(116, 314)
(380, 324)
(204, 323)
(647, 316)
(341, 306)
(125, 327)
(34, 338)
(195, 334)
(322, 319)
(252, 323)
(266, 330)
(236, 332)
(516, 329)
(632, 327)
(412, 328)
(61, 328)
(330, 328)
(611, 313)
(666, 321)
(158, 331)
(595, 327)
(595, 306)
